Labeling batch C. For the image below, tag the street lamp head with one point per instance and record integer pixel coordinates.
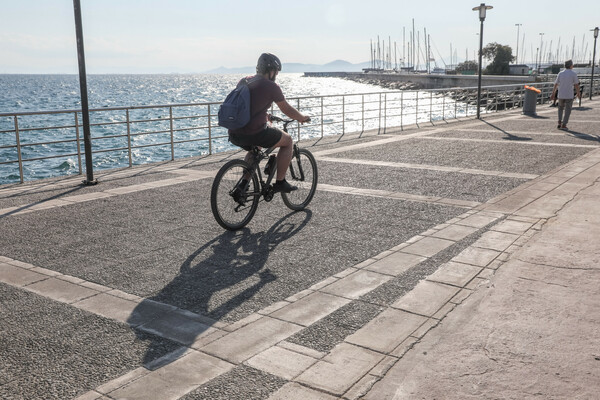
(595, 32)
(482, 9)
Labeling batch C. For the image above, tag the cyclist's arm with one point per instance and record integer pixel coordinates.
(291, 112)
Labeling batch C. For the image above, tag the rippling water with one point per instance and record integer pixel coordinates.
(29, 93)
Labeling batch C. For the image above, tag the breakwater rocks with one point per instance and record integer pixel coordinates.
(384, 83)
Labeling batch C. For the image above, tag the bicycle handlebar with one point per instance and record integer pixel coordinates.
(285, 122)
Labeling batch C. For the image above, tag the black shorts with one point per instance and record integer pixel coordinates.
(266, 138)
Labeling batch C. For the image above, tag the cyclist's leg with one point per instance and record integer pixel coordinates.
(284, 156)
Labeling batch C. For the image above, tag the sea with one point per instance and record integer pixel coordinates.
(34, 93)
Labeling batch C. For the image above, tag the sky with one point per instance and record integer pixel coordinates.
(192, 36)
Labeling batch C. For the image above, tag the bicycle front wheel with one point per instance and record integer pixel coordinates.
(232, 206)
(302, 173)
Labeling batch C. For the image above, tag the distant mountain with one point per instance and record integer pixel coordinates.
(334, 66)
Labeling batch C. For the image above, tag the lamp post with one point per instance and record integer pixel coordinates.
(87, 141)
(482, 8)
(517, 56)
(593, 62)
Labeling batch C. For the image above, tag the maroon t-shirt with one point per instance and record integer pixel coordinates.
(263, 93)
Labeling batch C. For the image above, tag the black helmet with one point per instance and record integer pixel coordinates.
(267, 62)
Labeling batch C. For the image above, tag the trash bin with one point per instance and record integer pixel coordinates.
(530, 100)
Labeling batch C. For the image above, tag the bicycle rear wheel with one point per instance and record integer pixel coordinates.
(302, 173)
(232, 207)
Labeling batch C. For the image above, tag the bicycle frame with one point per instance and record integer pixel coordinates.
(259, 155)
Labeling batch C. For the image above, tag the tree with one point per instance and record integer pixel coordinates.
(501, 57)
(467, 66)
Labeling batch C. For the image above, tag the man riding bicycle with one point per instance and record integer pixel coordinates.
(263, 92)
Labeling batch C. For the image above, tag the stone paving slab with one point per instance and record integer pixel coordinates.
(251, 339)
(455, 274)
(281, 362)
(294, 391)
(428, 246)
(310, 309)
(426, 298)
(386, 331)
(338, 372)
(395, 263)
(175, 379)
(355, 285)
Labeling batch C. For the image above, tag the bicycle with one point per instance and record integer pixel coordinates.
(238, 186)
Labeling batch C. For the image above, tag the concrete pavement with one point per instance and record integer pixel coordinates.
(454, 261)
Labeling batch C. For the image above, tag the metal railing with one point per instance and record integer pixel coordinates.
(46, 143)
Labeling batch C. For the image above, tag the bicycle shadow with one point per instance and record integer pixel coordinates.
(213, 282)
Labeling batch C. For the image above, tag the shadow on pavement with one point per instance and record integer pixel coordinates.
(232, 273)
(509, 136)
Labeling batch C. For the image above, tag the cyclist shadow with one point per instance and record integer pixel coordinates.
(212, 284)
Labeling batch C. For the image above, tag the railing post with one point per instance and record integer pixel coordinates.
(209, 131)
(298, 123)
(128, 138)
(401, 111)
(322, 128)
(379, 128)
(363, 113)
(417, 110)
(172, 136)
(455, 108)
(431, 107)
(19, 156)
(443, 106)
(343, 114)
(384, 113)
(78, 141)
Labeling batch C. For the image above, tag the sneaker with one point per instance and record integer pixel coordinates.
(559, 125)
(283, 186)
(564, 128)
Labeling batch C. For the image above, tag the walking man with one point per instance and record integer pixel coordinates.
(565, 82)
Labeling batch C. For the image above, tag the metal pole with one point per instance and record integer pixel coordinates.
(209, 132)
(19, 155)
(85, 112)
(172, 134)
(128, 138)
(479, 78)
(593, 62)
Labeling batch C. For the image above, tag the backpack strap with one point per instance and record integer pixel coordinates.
(246, 81)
